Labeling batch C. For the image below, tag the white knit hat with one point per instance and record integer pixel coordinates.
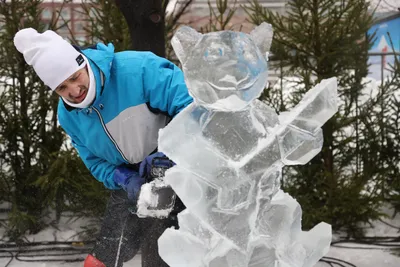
(52, 57)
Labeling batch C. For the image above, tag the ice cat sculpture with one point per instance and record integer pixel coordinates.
(229, 149)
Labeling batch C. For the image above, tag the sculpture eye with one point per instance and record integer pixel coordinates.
(214, 53)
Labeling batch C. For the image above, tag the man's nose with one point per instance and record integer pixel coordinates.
(74, 90)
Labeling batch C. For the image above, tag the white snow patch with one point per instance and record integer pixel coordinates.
(357, 257)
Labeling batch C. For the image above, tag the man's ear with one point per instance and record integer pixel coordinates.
(183, 41)
(262, 37)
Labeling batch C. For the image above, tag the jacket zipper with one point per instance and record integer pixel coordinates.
(109, 135)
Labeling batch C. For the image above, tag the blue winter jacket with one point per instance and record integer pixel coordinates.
(136, 95)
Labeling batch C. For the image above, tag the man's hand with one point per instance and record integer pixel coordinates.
(154, 166)
(156, 198)
(130, 181)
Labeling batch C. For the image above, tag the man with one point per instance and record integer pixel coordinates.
(112, 106)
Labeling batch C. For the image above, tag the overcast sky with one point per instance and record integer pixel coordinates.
(386, 5)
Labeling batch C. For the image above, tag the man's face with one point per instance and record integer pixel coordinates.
(75, 87)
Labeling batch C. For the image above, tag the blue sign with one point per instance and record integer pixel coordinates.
(387, 40)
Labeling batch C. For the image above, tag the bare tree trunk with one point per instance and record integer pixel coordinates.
(146, 22)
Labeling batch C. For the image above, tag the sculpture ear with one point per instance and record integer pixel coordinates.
(262, 37)
(182, 42)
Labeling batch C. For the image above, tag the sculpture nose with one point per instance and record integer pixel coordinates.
(233, 74)
(229, 79)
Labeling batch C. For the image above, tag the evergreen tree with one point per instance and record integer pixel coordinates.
(172, 23)
(315, 40)
(220, 16)
(36, 172)
(106, 24)
(28, 125)
(388, 119)
(69, 186)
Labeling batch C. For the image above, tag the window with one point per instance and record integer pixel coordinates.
(79, 26)
(63, 24)
(81, 40)
(47, 13)
(46, 25)
(78, 13)
(63, 27)
(66, 13)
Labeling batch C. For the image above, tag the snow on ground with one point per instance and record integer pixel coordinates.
(362, 258)
(361, 255)
(135, 262)
(67, 230)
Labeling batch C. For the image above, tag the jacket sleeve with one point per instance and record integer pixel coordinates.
(100, 169)
(164, 85)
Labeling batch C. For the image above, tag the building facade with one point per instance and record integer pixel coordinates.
(69, 16)
(386, 44)
(198, 14)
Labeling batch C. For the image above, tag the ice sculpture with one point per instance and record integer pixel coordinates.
(230, 148)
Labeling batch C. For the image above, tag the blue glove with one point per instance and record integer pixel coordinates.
(155, 160)
(130, 181)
